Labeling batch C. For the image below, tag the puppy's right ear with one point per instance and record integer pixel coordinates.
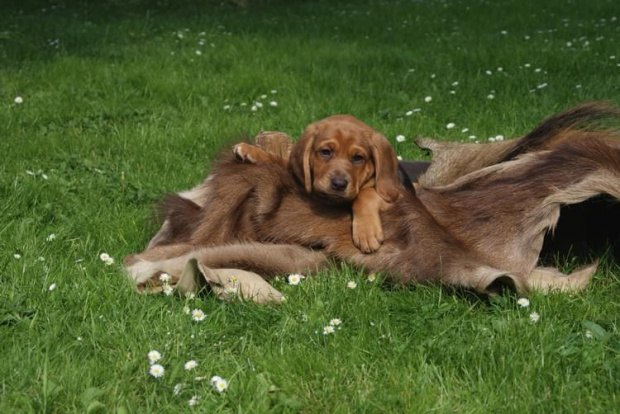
(300, 158)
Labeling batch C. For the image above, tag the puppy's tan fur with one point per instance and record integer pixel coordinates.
(345, 151)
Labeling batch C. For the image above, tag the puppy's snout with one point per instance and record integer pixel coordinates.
(339, 183)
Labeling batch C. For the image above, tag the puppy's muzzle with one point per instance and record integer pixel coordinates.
(339, 183)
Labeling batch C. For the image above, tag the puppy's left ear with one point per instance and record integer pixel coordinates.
(386, 168)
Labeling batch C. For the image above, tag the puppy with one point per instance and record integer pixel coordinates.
(342, 160)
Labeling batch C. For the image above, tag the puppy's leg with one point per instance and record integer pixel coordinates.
(367, 229)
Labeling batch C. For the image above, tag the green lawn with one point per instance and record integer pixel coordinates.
(127, 100)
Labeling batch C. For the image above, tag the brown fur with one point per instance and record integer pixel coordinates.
(480, 232)
(345, 151)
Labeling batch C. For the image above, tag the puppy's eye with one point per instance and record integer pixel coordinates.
(357, 159)
(326, 153)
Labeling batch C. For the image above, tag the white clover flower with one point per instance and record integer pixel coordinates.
(221, 385)
(153, 356)
(198, 315)
(523, 302)
(328, 330)
(190, 365)
(295, 279)
(273, 103)
(52, 287)
(589, 334)
(18, 100)
(400, 138)
(534, 317)
(165, 278)
(167, 289)
(450, 125)
(372, 277)
(51, 237)
(351, 284)
(17, 256)
(335, 322)
(428, 99)
(104, 257)
(157, 371)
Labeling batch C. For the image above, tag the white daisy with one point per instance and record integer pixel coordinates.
(328, 330)
(490, 96)
(52, 287)
(215, 379)
(157, 371)
(523, 302)
(198, 52)
(273, 103)
(221, 385)
(428, 99)
(226, 107)
(335, 322)
(18, 100)
(190, 365)
(295, 279)
(167, 289)
(109, 261)
(165, 278)
(351, 284)
(104, 257)
(154, 356)
(450, 125)
(17, 256)
(273, 91)
(372, 277)
(400, 138)
(198, 315)
(534, 317)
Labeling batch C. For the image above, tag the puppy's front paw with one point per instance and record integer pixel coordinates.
(367, 238)
(243, 152)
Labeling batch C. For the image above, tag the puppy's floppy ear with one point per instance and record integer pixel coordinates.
(386, 168)
(299, 160)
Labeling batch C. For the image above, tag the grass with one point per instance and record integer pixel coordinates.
(118, 109)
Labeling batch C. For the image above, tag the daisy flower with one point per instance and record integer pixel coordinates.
(18, 100)
(273, 103)
(221, 385)
(52, 287)
(400, 138)
(372, 277)
(104, 257)
(193, 401)
(295, 279)
(335, 322)
(428, 99)
(154, 356)
(198, 315)
(165, 278)
(351, 285)
(534, 317)
(328, 330)
(17, 256)
(450, 125)
(523, 302)
(157, 371)
(190, 365)
(167, 289)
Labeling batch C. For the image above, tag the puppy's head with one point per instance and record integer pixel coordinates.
(339, 155)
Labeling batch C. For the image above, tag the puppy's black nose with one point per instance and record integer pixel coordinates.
(339, 183)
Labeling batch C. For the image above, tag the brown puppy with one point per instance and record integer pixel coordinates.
(342, 159)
